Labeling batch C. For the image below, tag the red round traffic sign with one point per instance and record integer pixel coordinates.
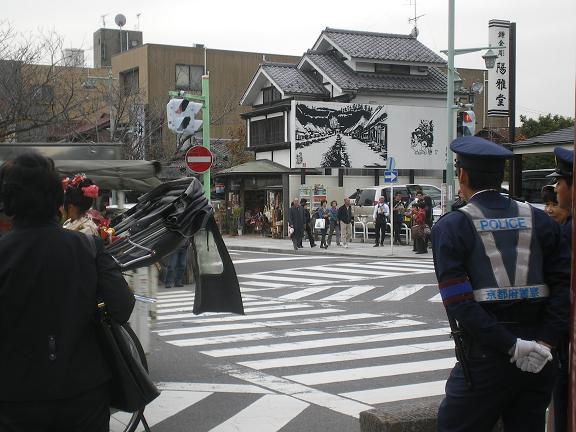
(199, 159)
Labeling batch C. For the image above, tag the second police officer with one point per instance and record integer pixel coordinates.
(503, 273)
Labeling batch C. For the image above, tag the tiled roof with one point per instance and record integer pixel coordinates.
(383, 46)
(347, 79)
(292, 81)
(558, 137)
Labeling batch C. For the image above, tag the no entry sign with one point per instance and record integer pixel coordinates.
(199, 159)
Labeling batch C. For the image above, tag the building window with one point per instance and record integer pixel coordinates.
(189, 77)
(380, 68)
(129, 81)
(267, 131)
(270, 94)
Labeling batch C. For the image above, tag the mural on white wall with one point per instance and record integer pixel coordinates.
(334, 135)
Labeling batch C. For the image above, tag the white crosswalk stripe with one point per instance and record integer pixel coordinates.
(292, 351)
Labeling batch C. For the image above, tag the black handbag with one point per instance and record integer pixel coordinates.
(131, 388)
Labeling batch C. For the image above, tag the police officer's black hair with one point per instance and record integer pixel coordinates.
(549, 195)
(74, 195)
(30, 188)
(479, 180)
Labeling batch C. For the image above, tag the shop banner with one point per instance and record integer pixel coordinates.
(335, 135)
(498, 76)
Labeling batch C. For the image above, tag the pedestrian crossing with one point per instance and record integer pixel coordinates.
(341, 281)
(304, 354)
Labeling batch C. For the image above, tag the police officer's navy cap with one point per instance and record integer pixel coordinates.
(564, 164)
(480, 154)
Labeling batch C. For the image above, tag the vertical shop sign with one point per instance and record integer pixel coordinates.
(498, 76)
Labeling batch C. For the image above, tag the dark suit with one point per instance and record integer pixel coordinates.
(296, 221)
(50, 284)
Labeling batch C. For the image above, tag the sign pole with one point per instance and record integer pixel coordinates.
(206, 129)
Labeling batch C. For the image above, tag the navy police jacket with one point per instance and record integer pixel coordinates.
(503, 270)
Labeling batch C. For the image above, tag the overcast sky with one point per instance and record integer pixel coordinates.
(546, 33)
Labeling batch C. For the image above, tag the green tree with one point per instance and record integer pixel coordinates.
(544, 124)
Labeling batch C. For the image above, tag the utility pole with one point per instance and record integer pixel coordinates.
(206, 128)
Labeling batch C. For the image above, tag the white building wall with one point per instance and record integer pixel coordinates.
(282, 157)
(264, 155)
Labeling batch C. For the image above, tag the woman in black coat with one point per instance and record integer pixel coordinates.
(53, 373)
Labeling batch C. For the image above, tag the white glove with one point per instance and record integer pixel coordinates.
(535, 361)
(523, 348)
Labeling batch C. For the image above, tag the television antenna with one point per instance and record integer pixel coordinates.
(103, 20)
(414, 31)
(138, 21)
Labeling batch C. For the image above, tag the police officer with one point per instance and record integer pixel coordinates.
(563, 188)
(503, 273)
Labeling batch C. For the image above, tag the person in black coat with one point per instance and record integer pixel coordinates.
(307, 220)
(296, 223)
(53, 372)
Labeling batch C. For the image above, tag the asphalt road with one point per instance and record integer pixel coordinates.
(323, 339)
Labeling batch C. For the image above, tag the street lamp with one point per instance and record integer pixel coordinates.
(489, 59)
(90, 84)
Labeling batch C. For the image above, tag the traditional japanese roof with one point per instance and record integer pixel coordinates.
(349, 80)
(292, 81)
(562, 136)
(261, 166)
(379, 46)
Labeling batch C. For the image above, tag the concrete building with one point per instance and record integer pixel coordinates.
(157, 69)
(109, 42)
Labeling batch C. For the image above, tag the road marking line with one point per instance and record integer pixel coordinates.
(264, 284)
(421, 264)
(330, 342)
(365, 273)
(211, 387)
(202, 320)
(401, 292)
(265, 324)
(315, 273)
(349, 293)
(272, 306)
(166, 405)
(270, 413)
(283, 278)
(436, 299)
(243, 337)
(290, 258)
(173, 293)
(296, 295)
(344, 356)
(298, 391)
(398, 393)
(355, 374)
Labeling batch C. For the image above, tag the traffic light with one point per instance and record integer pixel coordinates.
(181, 113)
(465, 123)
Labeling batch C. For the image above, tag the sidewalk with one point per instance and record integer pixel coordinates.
(357, 248)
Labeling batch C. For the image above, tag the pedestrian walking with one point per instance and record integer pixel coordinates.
(296, 223)
(176, 268)
(307, 220)
(334, 223)
(398, 209)
(323, 214)
(420, 230)
(380, 216)
(346, 218)
(53, 371)
(503, 272)
(562, 213)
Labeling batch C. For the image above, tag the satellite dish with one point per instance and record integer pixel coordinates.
(120, 20)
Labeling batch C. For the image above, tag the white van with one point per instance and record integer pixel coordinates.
(365, 199)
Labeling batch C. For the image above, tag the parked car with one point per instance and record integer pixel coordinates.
(532, 183)
(365, 199)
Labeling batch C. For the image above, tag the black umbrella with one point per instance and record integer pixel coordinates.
(168, 217)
